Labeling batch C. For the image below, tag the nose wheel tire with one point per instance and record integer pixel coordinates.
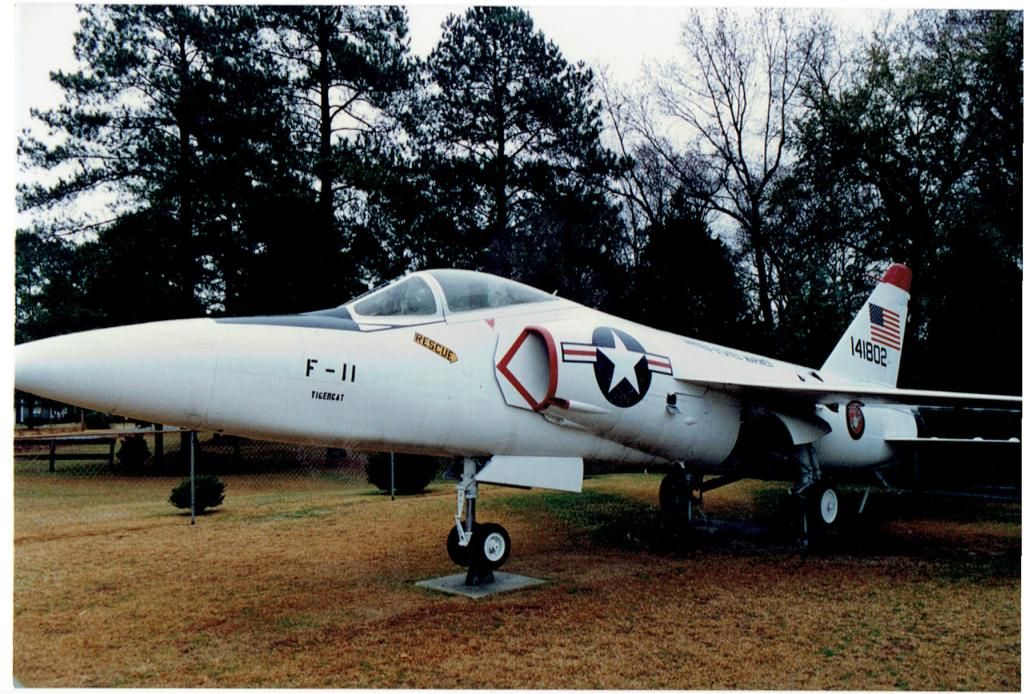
(490, 545)
(457, 553)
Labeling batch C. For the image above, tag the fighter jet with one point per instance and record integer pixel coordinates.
(522, 385)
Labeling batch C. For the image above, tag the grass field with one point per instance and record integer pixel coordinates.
(305, 583)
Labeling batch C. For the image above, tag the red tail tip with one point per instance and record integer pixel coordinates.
(898, 275)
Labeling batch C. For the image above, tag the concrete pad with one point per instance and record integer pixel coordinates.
(456, 584)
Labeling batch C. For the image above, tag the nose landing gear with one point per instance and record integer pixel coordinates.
(481, 548)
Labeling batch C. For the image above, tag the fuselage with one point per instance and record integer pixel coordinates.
(544, 377)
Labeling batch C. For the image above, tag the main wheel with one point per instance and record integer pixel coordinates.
(676, 496)
(491, 545)
(824, 506)
(456, 552)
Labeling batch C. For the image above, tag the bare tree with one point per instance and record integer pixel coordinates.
(656, 171)
(737, 92)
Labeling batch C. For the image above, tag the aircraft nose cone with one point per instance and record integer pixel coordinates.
(69, 368)
(160, 372)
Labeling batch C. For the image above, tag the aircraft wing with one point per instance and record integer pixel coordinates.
(946, 440)
(815, 393)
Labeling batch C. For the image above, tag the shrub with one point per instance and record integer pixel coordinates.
(209, 493)
(134, 451)
(96, 420)
(335, 456)
(412, 472)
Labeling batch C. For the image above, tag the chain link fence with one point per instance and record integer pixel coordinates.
(130, 452)
(61, 444)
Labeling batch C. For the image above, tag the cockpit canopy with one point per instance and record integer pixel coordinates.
(409, 297)
(418, 295)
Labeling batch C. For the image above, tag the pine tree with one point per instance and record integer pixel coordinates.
(348, 68)
(509, 132)
(131, 126)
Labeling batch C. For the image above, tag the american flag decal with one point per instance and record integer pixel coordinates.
(885, 326)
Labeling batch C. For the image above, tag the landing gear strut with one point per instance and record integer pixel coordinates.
(677, 497)
(482, 547)
(819, 499)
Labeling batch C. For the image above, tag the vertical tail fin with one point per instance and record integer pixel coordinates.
(871, 347)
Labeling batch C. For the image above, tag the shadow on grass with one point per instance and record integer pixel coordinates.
(205, 513)
(432, 490)
(607, 520)
(967, 539)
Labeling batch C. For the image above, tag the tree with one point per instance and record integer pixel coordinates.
(822, 252)
(645, 182)
(47, 286)
(677, 276)
(208, 492)
(509, 132)
(131, 123)
(185, 114)
(349, 70)
(686, 281)
(926, 139)
(737, 92)
(127, 277)
(120, 276)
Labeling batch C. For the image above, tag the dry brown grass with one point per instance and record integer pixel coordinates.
(311, 585)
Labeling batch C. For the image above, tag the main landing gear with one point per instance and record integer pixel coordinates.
(819, 500)
(677, 498)
(681, 495)
(483, 547)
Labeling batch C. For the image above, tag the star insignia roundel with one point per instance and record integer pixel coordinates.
(622, 367)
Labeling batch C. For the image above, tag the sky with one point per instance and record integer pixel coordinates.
(618, 37)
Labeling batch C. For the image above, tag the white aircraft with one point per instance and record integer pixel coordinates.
(520, 384)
